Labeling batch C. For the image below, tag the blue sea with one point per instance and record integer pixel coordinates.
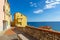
(55, 25)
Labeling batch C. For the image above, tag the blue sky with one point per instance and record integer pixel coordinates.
(37, 10)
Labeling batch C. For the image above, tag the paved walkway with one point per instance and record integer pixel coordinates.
(10, 37)
(23, 35)
(14, 34)
(26, 37)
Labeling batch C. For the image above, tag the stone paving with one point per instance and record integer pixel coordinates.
(10, 37)
(14, 34)
(25, 36)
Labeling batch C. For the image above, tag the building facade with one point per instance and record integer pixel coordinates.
(5, 16)
(20, 20)
(1, 14)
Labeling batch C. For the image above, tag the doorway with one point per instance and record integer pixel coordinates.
(5, 24)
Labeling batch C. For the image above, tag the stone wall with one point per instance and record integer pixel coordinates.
(41, 34)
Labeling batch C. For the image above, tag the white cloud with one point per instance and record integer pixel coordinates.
(57, 0)
(33, 4)
(49, 6)
(38, 11)
(51, 3)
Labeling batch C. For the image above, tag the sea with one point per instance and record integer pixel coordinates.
(54, 25)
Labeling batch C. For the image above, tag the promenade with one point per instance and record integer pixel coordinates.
(29, 33)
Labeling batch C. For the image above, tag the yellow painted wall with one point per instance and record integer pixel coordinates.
(8, 19)
(7, 16)
(18, 17)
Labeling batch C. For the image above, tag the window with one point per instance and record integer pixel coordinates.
(3, 8)
(19, 19)
(21, 14)
(20, 23)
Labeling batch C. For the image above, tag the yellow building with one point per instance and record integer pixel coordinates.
(20, 20)
(7, 16)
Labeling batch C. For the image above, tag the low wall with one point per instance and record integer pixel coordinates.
(41, 34)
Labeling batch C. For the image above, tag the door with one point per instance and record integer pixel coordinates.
(5, 24)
